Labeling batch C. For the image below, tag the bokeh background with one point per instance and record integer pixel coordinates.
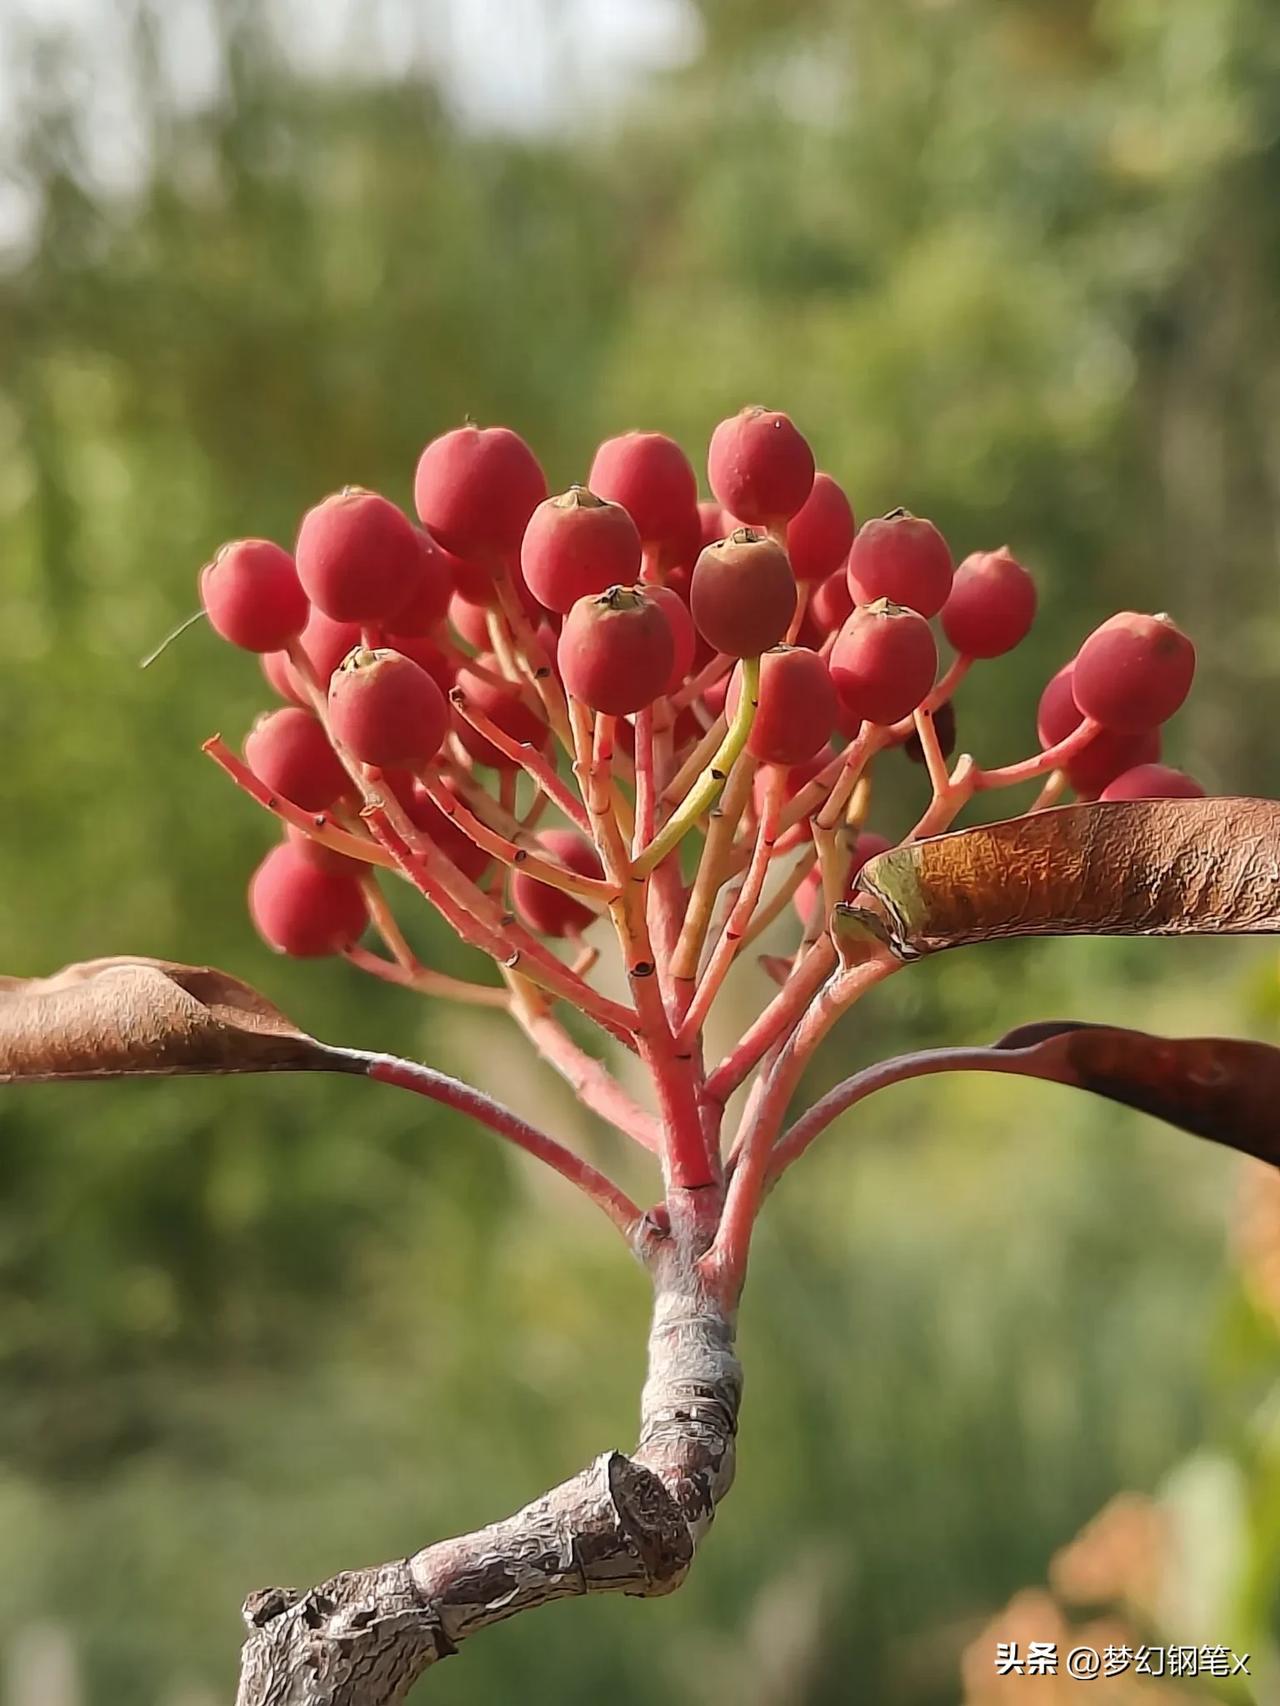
(1013, 263)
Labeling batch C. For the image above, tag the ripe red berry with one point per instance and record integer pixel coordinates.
(901, 557)
(550, 911)
(714, 523)
(616, 651)
(359, 557)
(743, 595)
(795, 709)
(795, 777)
(280, 677)
(883, 662)
(471, 621)
(387, 711)
(1134, 671)
(426, 816)
(503, 703)
(252, 595)
(289, 751)
(575, 546)
(1108, 754)
(426, 603)
(831, 603)
(760, 467)
(325, 643)
(820, 533)
(991, 605)
(427, 655)
(475, 489)
(684, 640)
(300, 908)
(1153, 782)
(327, 858)
(868, 846)
(652, 478)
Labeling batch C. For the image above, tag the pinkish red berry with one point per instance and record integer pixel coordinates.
(796, 707)
(427, 602)
(684, 640)
(616, 651)
(475, 489)
(550, 911)
(503, 703)
(884, 662)
(831, 603)
(652, 478)
(289, 751)
(280, 677)
(743, 594)
(471, 621)
(1134, 671)
(1108, 754)
(760, 467)
(427, 817)
(427, 655)
(325, 643)
(794, 778)
(714, 524)
(575, 546)
(991, 605)
(359, 557)
(387, 711)
(300, 908)
(252, 595)
(1153, 782)
(328, 858)
(903, 558)
(820, 534)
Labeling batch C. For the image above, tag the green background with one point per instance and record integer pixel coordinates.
(1012, 263)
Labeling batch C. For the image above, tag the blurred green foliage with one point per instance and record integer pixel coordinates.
(1011, 262)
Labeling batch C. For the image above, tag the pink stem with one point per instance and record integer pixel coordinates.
(1053, 758)
(320, 826)
(533, 762)
(646, 802)
(594, 1085)
(780, 1017)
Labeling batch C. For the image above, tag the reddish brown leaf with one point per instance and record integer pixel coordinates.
(1122, 868)
(119, 1018)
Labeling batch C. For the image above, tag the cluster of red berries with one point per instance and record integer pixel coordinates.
(412, 657)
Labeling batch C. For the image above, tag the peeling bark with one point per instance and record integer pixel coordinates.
(625, 1524)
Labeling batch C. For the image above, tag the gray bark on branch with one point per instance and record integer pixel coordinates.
(625, 1524)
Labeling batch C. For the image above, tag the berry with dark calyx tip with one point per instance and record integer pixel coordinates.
(616, 651)
(359, 556)
(1153, 782)
(427, 602)
(550, 911)
(684, 639)
(831, 603)
(760, 467)
(289, 751)
(795, 708)
(883, 662)
(428, 655)
(503, 703)
(425, 815)
(575, 546)
(328, 858)
(475, 489)
(743, 594)
(1108, 754)
(325, 643)
(901, 557)
(252, 595)
(868, 846)
(944, 726)
(280, 677)
(991, 605)
(1134, 671)
(387, 711)
(300, 908)
(652, 478)
(820, 533)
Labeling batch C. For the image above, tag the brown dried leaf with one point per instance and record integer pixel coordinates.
(121, 1018)
(1120, 868)
(1215, 1087)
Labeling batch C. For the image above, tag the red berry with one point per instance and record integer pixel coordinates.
(651, 477)
(427, 602)
(796, 707)
(1108, 754)
(714, 524)
(868, 846)
(439, 827)
(387, 711)
(427, 655)
(760, 467)
(684, 639)
(476, 488)
(575, 546)
(743, 594)
(359, 557)
(280, 677)
(820, 533)
(991, 605)
(831, 603)
(616, 651)
(327, 858)
(300, 908)
(883, 662)
(471, 621)
(794, 778)
(550, 911)
(289, 751)
(252, 595)
(1134, 671)
(901, 557)
(1153, 782)
(503, 703)
(325, 643)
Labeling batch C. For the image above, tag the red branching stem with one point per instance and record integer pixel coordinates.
(592, 1082)
(425, 1081)
(697, 685)
(1052, 758)
(778, 1019)
(531, 761)
(533, 864)
(319, 825)
(531, 651)
(426, 981)
(947, 804)
(385, 923)
(935, 763)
